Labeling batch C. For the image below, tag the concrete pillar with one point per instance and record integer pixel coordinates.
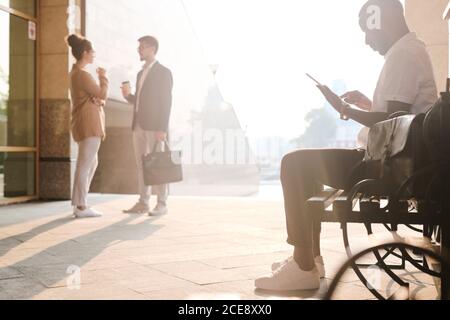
(426, 19)
(57, 149)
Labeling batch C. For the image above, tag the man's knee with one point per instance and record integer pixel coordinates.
(285, 164)
(291, 163)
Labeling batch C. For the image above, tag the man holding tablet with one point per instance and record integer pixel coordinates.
(406, 83)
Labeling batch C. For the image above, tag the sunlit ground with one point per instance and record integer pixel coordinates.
(205, 248)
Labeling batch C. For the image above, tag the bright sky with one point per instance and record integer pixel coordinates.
(264, 48)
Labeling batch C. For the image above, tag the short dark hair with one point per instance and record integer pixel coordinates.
(150, 41)
(392, 8)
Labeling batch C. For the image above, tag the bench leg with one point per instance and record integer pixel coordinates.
(445, 239)
(381, 264)
(445, 245)
(390, 252)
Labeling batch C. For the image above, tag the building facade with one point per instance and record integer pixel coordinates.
(37, 153)
(19, 100)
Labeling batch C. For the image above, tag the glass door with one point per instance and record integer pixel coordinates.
(18, 101)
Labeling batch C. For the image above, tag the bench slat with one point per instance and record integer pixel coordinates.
(342, 206)
(318, 204)
(376, 218)
(334, 206)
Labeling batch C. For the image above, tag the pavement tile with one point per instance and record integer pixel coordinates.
(21, 288)
(9, 273)
(247, 261)
(215, 252)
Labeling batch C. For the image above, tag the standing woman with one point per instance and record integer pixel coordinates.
(88, 121)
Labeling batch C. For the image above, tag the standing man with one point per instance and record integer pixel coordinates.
(152, 106)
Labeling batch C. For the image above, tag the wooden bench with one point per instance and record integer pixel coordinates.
(358, 206)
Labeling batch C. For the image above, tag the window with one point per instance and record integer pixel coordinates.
(27, 7)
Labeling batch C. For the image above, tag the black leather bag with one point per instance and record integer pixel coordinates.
(437, 128)
(162, 167)
(396, 150)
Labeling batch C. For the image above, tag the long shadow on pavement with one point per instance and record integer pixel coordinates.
(43, 272)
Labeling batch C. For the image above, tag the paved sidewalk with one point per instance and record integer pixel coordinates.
(205, 248)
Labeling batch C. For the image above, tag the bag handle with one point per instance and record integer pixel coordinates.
(166, 146)
(387, 148)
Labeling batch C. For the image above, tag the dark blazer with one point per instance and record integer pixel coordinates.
(155, 100)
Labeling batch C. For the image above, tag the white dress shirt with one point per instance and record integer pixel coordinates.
(145, 72)
(407, 77)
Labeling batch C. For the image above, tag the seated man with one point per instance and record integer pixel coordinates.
(406, 84)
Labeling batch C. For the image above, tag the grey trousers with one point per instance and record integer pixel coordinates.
(144, 142)
(87, 163)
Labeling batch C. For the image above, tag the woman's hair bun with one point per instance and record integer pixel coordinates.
(74, 40)
(79, 45)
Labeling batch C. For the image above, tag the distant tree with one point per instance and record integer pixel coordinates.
(321, 128)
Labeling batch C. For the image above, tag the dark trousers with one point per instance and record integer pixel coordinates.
(303, 174)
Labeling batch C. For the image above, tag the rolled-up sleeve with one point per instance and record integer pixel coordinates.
(403, 81)
(89, 85)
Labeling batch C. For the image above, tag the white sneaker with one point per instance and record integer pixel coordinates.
(289, 277)
(278, 264)
(319, 264)
(88, 213)
(159, 210)
(100, 214)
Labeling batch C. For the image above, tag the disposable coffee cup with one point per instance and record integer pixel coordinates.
(126, 87)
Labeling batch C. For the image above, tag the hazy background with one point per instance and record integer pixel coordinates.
(264, 47)
(239, 64)
(262, 50)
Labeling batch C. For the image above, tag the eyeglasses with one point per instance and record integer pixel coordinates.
(143, 48)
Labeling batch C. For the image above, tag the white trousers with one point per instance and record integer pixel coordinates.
(87, 163)
(144, 142)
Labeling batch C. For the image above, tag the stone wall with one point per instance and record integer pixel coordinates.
(57, 150)
(425, 17)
